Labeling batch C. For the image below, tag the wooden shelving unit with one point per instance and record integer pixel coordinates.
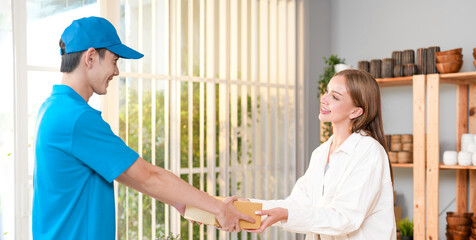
(402, 165)
(398, 81)
(457, 167)
(466, 100)
(419, 149)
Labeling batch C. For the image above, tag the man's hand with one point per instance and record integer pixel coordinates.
(180, 208)
(274, 215)
(229, 217)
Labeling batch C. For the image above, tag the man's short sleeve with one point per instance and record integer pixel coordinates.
(98, 147)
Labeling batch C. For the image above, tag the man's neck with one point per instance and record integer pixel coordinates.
(78, 84)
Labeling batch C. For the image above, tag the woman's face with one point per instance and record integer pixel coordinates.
(336, 105)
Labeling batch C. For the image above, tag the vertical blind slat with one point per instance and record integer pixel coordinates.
(153, 30)
(140, 133)
(211, 106)
(190, 102)
(202, 104)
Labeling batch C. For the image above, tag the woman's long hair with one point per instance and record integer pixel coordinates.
(365, 93)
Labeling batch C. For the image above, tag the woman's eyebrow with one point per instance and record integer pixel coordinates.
(336, 92)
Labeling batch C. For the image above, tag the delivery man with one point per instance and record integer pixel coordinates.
(78, 156)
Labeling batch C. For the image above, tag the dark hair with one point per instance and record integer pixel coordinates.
(365, 93)
(70, 61)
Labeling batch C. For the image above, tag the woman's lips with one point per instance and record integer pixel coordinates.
(324, 111)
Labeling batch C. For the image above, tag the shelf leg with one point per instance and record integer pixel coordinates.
(433, 155)
(419, 157)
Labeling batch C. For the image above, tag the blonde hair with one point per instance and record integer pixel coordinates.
(365, 93)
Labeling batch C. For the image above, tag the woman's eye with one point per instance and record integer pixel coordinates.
(334, 96)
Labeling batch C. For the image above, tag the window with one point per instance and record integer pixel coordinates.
(6, 124)
(37, 27)
(213, 100)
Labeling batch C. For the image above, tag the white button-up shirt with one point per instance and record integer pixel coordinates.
(352, 200)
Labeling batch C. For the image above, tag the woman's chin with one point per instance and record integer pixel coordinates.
(323, 118)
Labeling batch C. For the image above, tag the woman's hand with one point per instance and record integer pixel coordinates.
(274, 215)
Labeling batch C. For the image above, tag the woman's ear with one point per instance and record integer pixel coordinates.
(357, 112)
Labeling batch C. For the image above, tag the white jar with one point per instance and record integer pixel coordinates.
(471, 147)
(464, 162)
(467, 137)
(465, 158)
(450, 157)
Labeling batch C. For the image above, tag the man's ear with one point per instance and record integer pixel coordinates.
(357, 112)
(89, 57)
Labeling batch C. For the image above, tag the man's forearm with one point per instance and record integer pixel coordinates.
(167, 187)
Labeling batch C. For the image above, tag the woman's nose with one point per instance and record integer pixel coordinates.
(324, 98)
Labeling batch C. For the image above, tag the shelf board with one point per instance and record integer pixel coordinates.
(398, 81)
(457, 167)
(402, 165)
(461, 78)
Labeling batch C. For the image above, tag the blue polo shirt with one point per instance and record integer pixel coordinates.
(77, 158)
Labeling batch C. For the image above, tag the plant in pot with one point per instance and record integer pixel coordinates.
(329, 72)
(405, 226)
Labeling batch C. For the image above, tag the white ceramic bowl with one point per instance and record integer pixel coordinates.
(471, 147)
(465, 155)
(340, 67)
(450, 157)
(450, 161)
(464, 162)
(467, 137)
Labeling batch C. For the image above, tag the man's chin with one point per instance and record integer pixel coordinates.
(101, 92)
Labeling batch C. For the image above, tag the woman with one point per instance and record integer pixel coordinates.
(347, 192)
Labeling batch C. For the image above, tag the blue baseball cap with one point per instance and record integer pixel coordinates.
(95, 32)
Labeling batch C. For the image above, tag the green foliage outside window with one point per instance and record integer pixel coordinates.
(132, 140)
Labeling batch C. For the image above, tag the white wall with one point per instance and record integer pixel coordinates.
(372, 29)
(320, 46)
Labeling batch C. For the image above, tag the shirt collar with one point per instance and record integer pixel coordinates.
(351, 142)
(64, 89)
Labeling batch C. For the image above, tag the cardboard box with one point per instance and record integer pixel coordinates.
(248, 208)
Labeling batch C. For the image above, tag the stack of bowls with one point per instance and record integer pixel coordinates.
(431, 59)
(421, 60)
(474, 55)
(449, 61)
(458, 226)
(376, 68)
(387, 68)
(401, 148)
(363, 65)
